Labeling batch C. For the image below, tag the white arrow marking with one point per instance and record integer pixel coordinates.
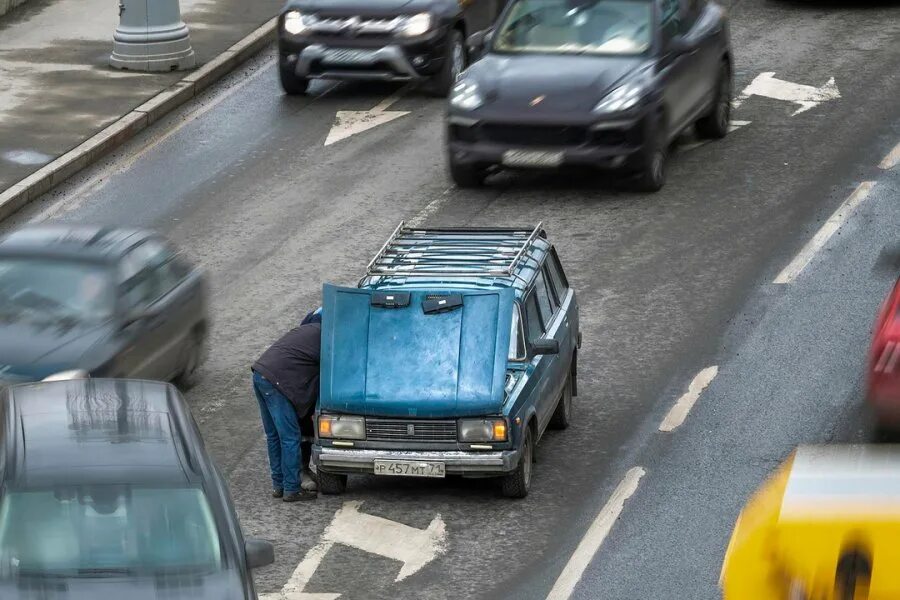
(806, 96)
(351, 122)
(733, 126)
(414, 547)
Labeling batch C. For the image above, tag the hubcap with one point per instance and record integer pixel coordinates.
(458, 60)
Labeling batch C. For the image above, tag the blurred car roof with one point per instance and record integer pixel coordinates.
(93, 431)
(71, 241)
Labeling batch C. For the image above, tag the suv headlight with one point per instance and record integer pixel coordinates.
(466, 95)
(483, 430)
(67, 375)
(342, 427)
(622, 98)
(296, 22)
(415, 25)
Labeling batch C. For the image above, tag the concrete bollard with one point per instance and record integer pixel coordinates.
(151, 37)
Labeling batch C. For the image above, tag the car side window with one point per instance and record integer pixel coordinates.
(533, 326)
(136, 281)
(557, 277)
(168, 269)
(544, 300)
(670, 19)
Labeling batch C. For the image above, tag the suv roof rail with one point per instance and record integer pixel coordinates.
(453, 251)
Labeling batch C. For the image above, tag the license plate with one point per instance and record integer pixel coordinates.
(532, 158)
(410, 468)
(347, 57)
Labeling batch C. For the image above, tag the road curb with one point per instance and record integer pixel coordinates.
(124, 129)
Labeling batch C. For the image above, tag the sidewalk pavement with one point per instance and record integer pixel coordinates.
(56, 89)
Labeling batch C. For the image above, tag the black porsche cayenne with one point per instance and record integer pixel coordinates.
(596, 83)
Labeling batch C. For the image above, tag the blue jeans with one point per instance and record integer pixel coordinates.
(282, 434)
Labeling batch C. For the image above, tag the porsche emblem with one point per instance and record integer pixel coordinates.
(536, 100)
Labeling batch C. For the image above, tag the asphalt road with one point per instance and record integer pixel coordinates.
(668, 284)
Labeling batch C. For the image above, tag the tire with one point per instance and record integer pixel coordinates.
(466, 176)
(331, 484)
(290, 82)
(714, 125)
(454, 63)
(563, 413)
(192, 359)
(652, 163)
(517, 483)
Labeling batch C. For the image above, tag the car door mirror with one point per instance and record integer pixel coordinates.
(138, 314)
(259, 553)
(478, 42)
(545, 346)
(680, 45)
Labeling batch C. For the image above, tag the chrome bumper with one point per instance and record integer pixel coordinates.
(393, 56)
(345, 460)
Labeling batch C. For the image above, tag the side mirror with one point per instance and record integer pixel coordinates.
(680, 45)
(259, 553)
(478, 42)
(137, 315)
(543, 346)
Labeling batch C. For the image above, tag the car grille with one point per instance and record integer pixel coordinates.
(534, 135)
(412, 430)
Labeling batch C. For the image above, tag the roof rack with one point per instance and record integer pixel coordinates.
(453, 252)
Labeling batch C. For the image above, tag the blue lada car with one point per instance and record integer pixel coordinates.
(454, 354)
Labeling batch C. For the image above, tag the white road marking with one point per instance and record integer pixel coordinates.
(679, 412)
(430, 208)
(892, 159)
(733, 126)
(596, 534)
(414, 547)
(840, 216)
(807, 96)
(351, 122)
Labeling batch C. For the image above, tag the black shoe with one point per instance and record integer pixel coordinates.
(277, 493)
(299, 496)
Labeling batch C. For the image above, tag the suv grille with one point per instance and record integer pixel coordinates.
(534, 135)
(412, 430)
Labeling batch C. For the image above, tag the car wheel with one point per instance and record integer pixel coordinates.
(192, 358)
(715, 124)
(465, 175)
(290, 82)
(563, 413)
(331, 484)
(652, 163)
(517, 483)
(454, 63)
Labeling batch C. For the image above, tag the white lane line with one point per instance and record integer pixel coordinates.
(595, 536)
(892, 159)
(840, 216)
(430, 208)
(679, 412)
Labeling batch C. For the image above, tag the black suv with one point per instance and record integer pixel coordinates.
(386, 40)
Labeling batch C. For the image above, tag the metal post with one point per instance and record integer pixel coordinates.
(151, 37)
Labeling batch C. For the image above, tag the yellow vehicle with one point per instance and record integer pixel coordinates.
(825, 526)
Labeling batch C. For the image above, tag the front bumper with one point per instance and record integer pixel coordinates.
(602, 144)
(457, 462)
(389, 58)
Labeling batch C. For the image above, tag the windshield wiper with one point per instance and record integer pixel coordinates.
(104, 571)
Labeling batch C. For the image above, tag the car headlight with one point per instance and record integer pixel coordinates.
(415, 25)
(622, 98)
(466, 95)
(67, 375)
(483, 430)
(342, 427)
(296, 22)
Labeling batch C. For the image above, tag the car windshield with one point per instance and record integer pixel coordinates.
(90, 531)
(613, 27)
(51, 290)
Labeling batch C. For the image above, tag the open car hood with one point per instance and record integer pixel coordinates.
(404, 362)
